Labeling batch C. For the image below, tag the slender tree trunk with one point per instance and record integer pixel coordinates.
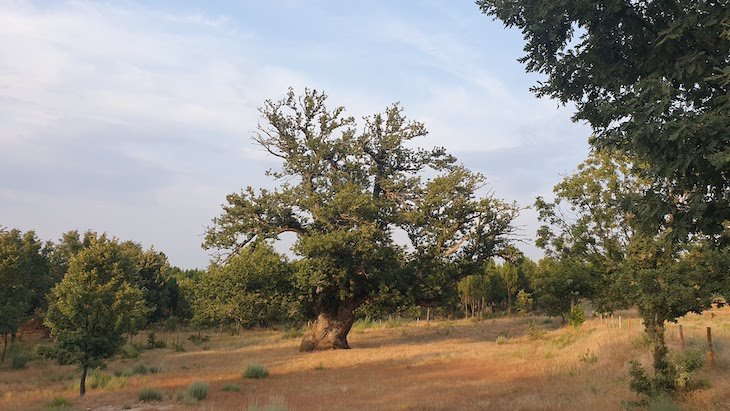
(509, 304)
(664, 371)
(330, 329)
(5, 346)
(82, 384)
(428, 315)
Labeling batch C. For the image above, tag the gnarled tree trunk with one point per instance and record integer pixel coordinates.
(330, 329)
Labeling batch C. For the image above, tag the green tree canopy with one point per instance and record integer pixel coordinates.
(24, 279)
(591, 226)
(344, 191)
(255, 287)
(93, 306)
(653, 79)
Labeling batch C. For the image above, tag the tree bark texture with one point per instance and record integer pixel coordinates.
(82, 384)
(330, 330)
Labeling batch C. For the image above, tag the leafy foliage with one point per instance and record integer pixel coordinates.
(343, 192)
(94, 304)
(255, 287)
(24, 279)
(653, 80)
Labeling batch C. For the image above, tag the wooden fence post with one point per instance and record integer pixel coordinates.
(710, 351)
(681, 335)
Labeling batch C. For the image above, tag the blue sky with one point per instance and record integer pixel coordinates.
(135, 117)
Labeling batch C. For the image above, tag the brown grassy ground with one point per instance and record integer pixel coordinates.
(447, 365)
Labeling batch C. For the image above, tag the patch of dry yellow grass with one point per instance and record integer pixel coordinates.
(447, 365)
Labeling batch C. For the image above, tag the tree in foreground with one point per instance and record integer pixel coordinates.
(344, 192)
(652, 78)
(93, 306)
(590, 227)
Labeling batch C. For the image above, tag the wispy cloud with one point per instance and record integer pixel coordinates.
(135, 118)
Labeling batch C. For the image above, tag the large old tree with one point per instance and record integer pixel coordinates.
(346, 192)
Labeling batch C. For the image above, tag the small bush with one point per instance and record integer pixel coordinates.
(501, 339)
(319, 367)
(178, 347)
(576, 316)
(256, 371)
(198, 390)
(59, 402)
(19, 360)
(231, 388)
(129, 352)
(140, 369)
(150, 394)
(534, 332)
(153, 343)
(123, 373)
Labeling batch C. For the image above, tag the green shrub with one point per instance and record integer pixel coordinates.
(59, 402)
(153, 343)
(576, 316)
(129, 352)
(534, 332)
(150, 394)
(231, 388)
(198, 390)
(20, 360)
(178, 347)
(255, 371)
(501, 339)
(140, 369)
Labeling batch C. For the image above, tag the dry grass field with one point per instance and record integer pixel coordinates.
(455, 365)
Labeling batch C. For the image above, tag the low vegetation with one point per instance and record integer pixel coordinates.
(256, 371)
(150, 394)
(415, 366)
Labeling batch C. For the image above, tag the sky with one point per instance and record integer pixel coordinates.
(135, 117)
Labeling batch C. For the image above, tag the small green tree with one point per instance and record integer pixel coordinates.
(255, 287)
(558, 283)
(524, 302)
(510, 278)
(92, 307)
(23, 276)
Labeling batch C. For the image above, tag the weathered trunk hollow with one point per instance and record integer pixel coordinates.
(330, 330)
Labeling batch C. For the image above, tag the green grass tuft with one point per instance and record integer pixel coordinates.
(256, 371)
(231, 388)
(150, 394)
(198, 390)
